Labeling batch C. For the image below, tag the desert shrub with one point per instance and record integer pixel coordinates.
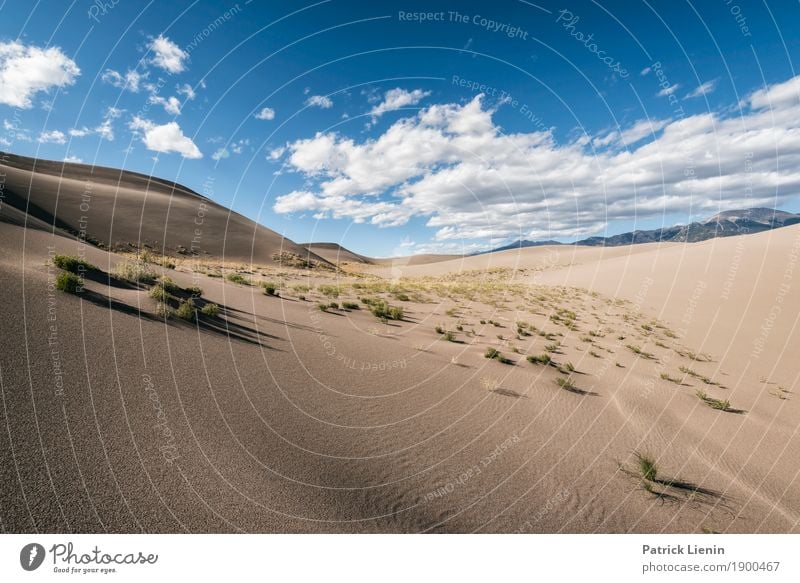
(350, 306)
(67, 281)
(396, 313)
(401, 297)
(164, 310)
(449, 336)
(646, 466)
(331, 291)
(334, 305)
(238, 278)
(72, 263)
(301, 288)
(322, 307)
(491, 353)
(160, 293)
(540, 359)
(195, 290)
(186, 310)
(270, 288)
(211, 310)
(169, 285)
(302, 298)
(135, 272)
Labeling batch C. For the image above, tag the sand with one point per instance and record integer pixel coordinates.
(276, 416)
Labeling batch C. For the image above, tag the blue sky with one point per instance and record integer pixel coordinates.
(405, 127)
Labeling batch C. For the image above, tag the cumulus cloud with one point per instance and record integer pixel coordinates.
(452, 165)
(395, 99)
(319, 101)
(73, 159)
(171, 105)
(26, 70)
(167, 55)
(266, 114)
(165, 138)
(130, 81)
(703, 89)
(52, 137)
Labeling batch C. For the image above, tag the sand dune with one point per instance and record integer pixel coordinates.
(336, 254)
(278, 416)
(125, 210)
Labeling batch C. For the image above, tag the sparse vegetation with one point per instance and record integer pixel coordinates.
(491, 353)
(639, 352)
(67, 281)
(135, 272)
(238, 278)
(322, 307)
(718, 404)
(270, 288)
(72, 263)
(665, 376)
(540, 359)
(211, 310)
(331, 291)
(350, 306)
(195, 291)
(186, 310)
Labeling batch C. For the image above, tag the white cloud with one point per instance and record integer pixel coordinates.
(28, 70)
(168, 55)
(667, 91)
(267, 114)
(130, 81)
(165, 138)
(73, 160)
(219, 154)
(187, 91)
(703, 89)
(781, 95)
(80, 132)
(452, 165)
(395, 99)
(52, 137)
(319, 101)
(171, 105)
(276, 153)
(645, 71)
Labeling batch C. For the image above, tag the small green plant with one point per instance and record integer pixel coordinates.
(396, 313)
(551, 347)
(568, 366)
(169, 285)
(350, 306)
(540, 359)
(301, 297)
(72, 263)
(717, 404)
(491, 353)
(667, 377)
(639, 352)
(159, 292)
(567, 384)
(440, 330)
(164, 310)
(195, 291)
(270, 289)
(646, 467)
(186, 310)
(211, 310)
(449, 336)
(67, 281)
(238, 278)
(333, 305)
(322, 307)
